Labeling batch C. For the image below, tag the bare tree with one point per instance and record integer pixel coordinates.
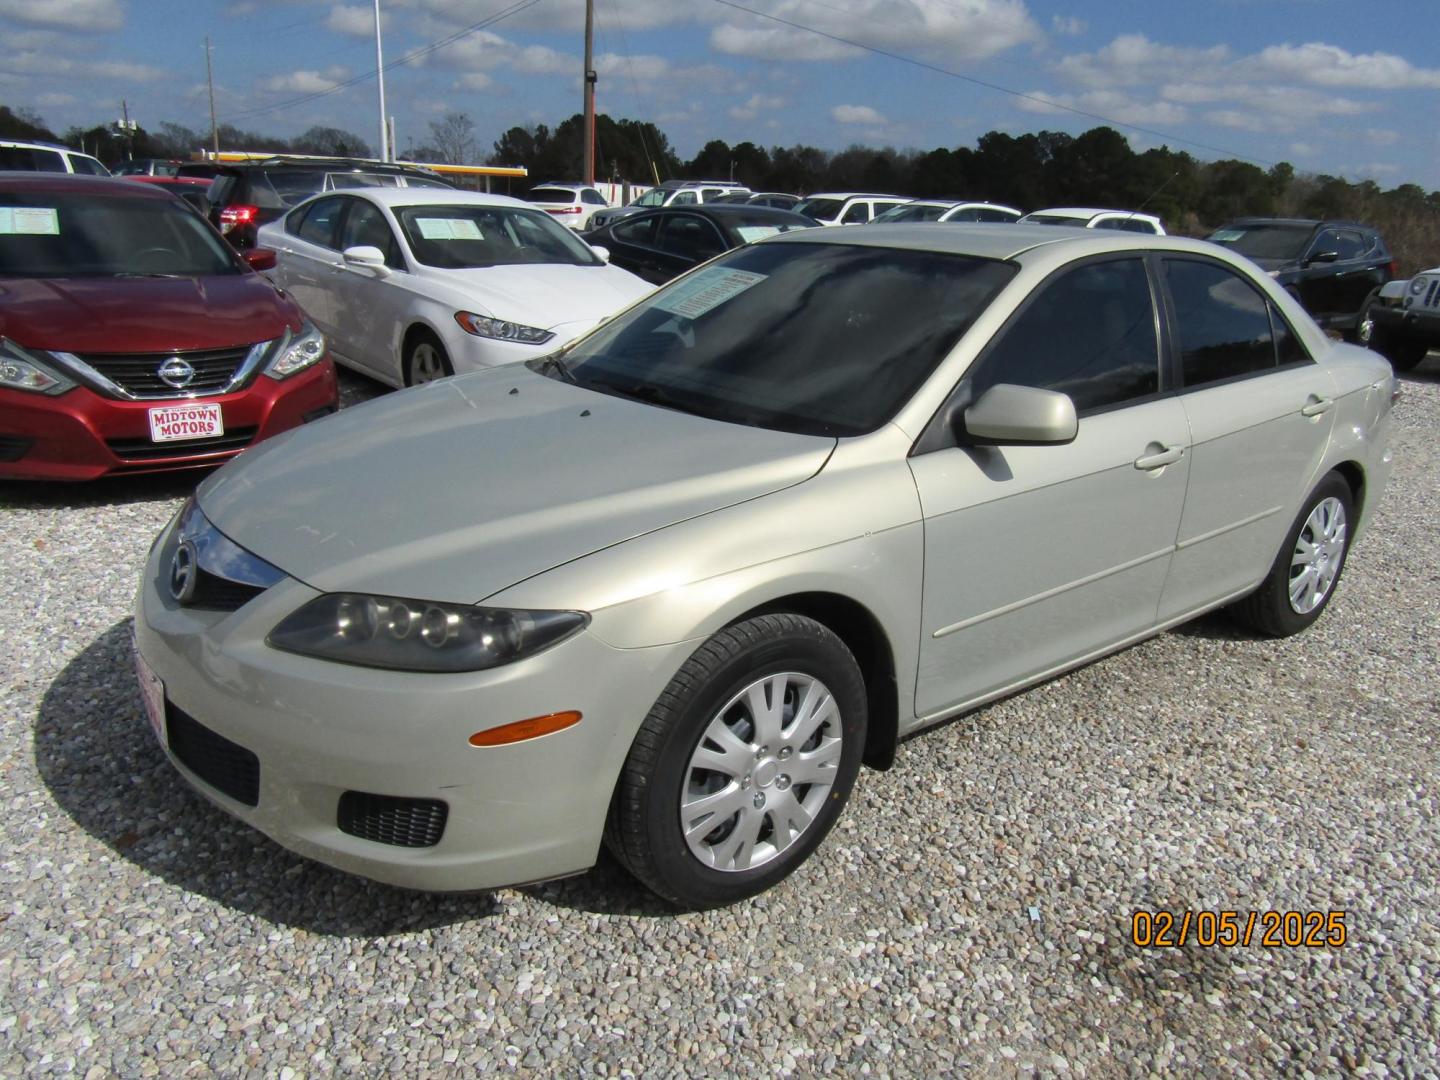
(454, 138)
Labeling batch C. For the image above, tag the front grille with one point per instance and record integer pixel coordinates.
(386, 819)
(1429, 301)
(13, 447)
(144, 449)
(226, 766)
(138, 373)
(216, 593)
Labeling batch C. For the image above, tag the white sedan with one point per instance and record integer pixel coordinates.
(411, 285)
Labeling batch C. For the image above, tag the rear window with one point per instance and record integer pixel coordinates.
(552, 195)
(30, 159)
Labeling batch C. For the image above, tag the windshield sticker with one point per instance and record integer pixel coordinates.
(29, 221)
(751, 233)
(1226, 236)
(434, 228)
(708, 289)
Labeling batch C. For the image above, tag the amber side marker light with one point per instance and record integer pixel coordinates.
(521, 730)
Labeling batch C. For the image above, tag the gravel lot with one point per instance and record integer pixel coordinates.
(972, 909)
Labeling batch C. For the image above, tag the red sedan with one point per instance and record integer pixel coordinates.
(134, 339)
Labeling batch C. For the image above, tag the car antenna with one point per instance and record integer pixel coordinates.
(1149, 198)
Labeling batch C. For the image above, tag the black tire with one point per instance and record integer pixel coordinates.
(1403, 352)
(1269, 610)
(1353, 334)
(644, 827)
(417, 344)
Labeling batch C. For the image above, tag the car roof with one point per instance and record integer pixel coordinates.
(857, 195)
(1313, 223)
(731, 211)
(1014, 242)
(387, 196)
(105, 186)
(563, 184)
(1087, 212)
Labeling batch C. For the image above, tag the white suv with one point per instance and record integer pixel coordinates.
(570, 204)
(670, 193)
(847, 207)
(16, 156)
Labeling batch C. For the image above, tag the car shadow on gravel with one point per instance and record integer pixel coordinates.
(107, 491)
(97, 756)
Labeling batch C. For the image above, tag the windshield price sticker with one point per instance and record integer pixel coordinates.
(434, 228)
(1226, 236)
(29, 221)
(751, 233)
(172, 422)
(706, 291)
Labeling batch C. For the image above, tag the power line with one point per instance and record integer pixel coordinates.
(990, 85)
(426, 50)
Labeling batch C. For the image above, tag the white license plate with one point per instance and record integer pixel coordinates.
(152, 694)
(171, 422)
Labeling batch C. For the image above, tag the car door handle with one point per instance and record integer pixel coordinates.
(1159, 456)
(1316, 406)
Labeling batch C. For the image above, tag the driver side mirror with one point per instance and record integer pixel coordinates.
(1010, 415)
(259, 258)
(365, 257)
(603, 253)
(1323, 257)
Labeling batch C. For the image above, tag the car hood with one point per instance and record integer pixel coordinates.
(549, 294)
(142, 314)
(460, 488)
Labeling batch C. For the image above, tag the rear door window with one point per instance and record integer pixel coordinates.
(639, 231)
(1222, 321)
(690, 237)
(318, 225)
(859, 212)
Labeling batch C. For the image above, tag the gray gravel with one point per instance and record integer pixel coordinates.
(971, 910)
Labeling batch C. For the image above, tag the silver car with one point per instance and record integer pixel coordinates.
(669, 587)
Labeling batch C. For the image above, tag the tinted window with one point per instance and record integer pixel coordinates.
(89, 166)
(30, 159)
(970, 213)
(1222, 320)
(1350, 244)
(318, 224)
(920, 212)
(1329, 240)
(639, 230)
(991, 213)
(684, 198)
(857, 213)
(690, 237)
(826, 339)
(551, 195)
(653, 197)
(87, 235)
(1288, 349)
(594, 198)
(365, 226)
(1089, 333)
(819, 209)
(1264, 241)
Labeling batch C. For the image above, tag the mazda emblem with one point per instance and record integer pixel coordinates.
(184, 572)
(176, 372)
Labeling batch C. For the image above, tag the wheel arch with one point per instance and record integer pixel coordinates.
(865, 637)
(1354, 475)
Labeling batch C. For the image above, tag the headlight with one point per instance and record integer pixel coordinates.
(21, 369)
(481, 326)
(419, 635)
(297, 352)
(1417, 286)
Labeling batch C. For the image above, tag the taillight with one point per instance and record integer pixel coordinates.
(564, 210)
(237, 215)
(1394, 268)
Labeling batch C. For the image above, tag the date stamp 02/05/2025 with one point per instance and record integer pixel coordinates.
(1230, 929)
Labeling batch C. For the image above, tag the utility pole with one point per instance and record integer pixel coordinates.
(589, 169)
(125, 125)
(385, 149)
(210, 82)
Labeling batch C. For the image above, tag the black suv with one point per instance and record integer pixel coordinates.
(245, 195)
(1334, 268)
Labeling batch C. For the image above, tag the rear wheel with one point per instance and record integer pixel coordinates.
(1305, 572)
(426, 361)
(743, 764)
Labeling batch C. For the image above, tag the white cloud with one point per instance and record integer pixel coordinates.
(1067, 26)
(856, 114)
(1376, 170)
(355, 21)
(752, 108)
(957, 30)
(53, 101)
(306, 82)
(1382, 137)
(40, 64)
(1133, 60)
(75, 14)
(476, 80)
(1110, 103)
(1330, 65)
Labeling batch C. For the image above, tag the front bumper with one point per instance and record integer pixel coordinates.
(1409, 323)
(81, 435)
(524, 812)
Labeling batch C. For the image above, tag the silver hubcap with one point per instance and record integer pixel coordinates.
(1319, 550)
(762, 772)
(426, 365)
(1366, 328)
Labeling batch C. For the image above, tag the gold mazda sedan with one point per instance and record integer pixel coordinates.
(668, 588)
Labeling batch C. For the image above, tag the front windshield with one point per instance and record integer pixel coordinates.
(460, 237)
(59, 234)
(813, 338)
(1265, 241)
(653, 197)
(910, 212)
(820, 209)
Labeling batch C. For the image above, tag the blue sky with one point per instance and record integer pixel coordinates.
(1331, 86)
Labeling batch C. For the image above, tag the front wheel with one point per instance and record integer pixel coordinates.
(1305, 572)
(743, 764)
(426, 361)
